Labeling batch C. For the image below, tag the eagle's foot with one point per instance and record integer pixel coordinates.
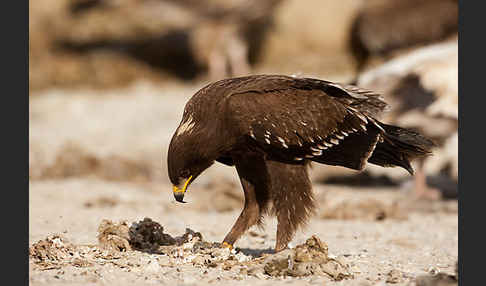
(227, 245)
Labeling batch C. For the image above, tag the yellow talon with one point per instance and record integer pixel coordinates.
(227, 245)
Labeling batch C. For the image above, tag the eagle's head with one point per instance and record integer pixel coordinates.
(187, 158)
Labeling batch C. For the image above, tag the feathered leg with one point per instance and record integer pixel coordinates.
(293, 201)
(251, 171)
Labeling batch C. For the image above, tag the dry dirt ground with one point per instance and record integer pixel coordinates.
(96, 157)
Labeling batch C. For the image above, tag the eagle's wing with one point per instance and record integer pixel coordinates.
(308, 121)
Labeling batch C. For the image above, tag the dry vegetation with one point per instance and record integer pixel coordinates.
(144, 247)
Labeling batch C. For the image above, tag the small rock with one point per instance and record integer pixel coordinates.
(315, 243)
(336, 270)
(221, 253)
(394, 276)
(279, 263)
(55, 248)
(78, 262)
(189, 236)
(433, 270)
(199, 260)
(240, 257)
(302, 255)
(114, 243)
(305, 269)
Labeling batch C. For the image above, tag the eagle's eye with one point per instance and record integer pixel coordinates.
(185, 174)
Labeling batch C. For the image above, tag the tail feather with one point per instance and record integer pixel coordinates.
(399, 147)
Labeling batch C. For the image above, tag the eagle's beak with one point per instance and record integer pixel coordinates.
(179, 193)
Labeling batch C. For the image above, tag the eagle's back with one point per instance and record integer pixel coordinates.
(218, 92)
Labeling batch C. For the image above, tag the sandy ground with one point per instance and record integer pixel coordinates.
(122, 133)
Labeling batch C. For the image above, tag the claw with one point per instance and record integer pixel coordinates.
(227, 245)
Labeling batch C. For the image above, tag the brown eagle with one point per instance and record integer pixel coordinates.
(270, 127)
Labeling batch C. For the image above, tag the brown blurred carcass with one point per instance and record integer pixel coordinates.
(226, 33)
(75, 43)
(182, 38)
(422, 89)
(383, 28)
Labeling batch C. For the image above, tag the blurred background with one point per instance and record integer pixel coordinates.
(108, 80)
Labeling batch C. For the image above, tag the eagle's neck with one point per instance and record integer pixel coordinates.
(195, 132)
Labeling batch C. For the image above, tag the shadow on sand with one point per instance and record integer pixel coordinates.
(255, 253)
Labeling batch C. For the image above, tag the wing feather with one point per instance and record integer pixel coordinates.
(296, 123)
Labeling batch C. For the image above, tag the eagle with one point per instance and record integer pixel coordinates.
(271, 127)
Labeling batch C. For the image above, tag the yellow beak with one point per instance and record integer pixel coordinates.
(179, 193)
